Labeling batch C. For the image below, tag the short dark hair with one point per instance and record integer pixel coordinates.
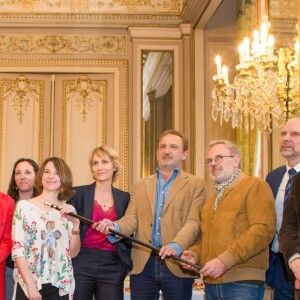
(66, 179)
(12, 187)
(185, 142)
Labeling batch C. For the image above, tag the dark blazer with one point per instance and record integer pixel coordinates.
(83, 201)
(274, 179)
(289, 235)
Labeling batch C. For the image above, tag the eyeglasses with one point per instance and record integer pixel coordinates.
(217, 159)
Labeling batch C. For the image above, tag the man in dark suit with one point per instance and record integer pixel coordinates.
(289, 240)
(279, 179)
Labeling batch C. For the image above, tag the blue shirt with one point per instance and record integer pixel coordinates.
(162, 190)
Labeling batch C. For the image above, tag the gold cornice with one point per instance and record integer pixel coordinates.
(86, 20)
(84, 6)
(56, 62)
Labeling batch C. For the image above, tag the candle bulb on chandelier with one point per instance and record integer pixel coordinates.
(218, 63)
(247, 48)
(241, 53)
(225, 74)
(270, 46)
(255, 43)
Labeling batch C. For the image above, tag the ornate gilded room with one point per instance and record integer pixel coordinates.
(81, 73)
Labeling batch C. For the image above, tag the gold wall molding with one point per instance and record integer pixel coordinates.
(7, 64)
(117, 120)
(84, 91)
(84, 6)
(39, 20)
(63, 44)
(21, 93)
(111, 13)
(84, 120)
(25, 138)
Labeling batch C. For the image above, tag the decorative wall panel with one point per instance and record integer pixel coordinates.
(22, 122)
(63, 43)
(84, 123)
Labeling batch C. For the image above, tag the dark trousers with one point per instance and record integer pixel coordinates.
(157, 277)
(48, 292)
(278, 278)
(98, 274)
(234, 291)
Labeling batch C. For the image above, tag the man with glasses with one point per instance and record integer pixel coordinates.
(237, 225)
(280, 181)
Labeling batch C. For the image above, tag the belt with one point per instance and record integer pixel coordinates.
(156, 255)
(252, 282)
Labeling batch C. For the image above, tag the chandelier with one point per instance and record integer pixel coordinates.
(265, 90)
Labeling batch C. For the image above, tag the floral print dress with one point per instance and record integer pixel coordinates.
(43, 238)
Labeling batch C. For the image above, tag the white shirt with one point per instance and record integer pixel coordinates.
(279, 205)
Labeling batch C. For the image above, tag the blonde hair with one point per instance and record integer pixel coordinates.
(112, 154)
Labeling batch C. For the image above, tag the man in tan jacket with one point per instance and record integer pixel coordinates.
(237, 225)
(164, 211)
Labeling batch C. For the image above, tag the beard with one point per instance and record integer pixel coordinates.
(287, 150)
(287, 153)
(220, 176)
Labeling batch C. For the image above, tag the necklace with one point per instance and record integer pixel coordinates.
(104, 204)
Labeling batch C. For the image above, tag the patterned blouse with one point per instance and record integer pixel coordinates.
(43, 238)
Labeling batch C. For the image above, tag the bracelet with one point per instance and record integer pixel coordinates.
(75, 232)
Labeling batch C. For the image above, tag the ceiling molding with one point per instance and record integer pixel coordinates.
(155, 14)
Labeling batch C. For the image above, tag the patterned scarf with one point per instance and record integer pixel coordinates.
(220, 187)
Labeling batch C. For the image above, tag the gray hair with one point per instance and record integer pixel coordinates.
(234, 149)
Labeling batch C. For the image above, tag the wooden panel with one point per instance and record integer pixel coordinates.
(82, 115)
(23, 103)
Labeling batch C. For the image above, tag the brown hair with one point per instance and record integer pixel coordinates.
(12, 187)
(112, 154)
(185, 142)
(65, 175)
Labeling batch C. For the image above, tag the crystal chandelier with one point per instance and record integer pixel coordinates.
(265, 90)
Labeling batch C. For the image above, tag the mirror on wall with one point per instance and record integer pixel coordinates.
(283, 16)
(157, 103)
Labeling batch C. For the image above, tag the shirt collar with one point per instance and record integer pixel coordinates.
(297, 167)
(175, 171)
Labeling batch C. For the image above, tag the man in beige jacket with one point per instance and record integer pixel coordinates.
(237, 225)
(164, 211)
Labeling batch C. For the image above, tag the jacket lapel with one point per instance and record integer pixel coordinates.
(89, 195)
(151, 191)
(179, 182)
(117, 202)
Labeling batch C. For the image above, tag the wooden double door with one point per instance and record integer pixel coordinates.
(64, 115)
